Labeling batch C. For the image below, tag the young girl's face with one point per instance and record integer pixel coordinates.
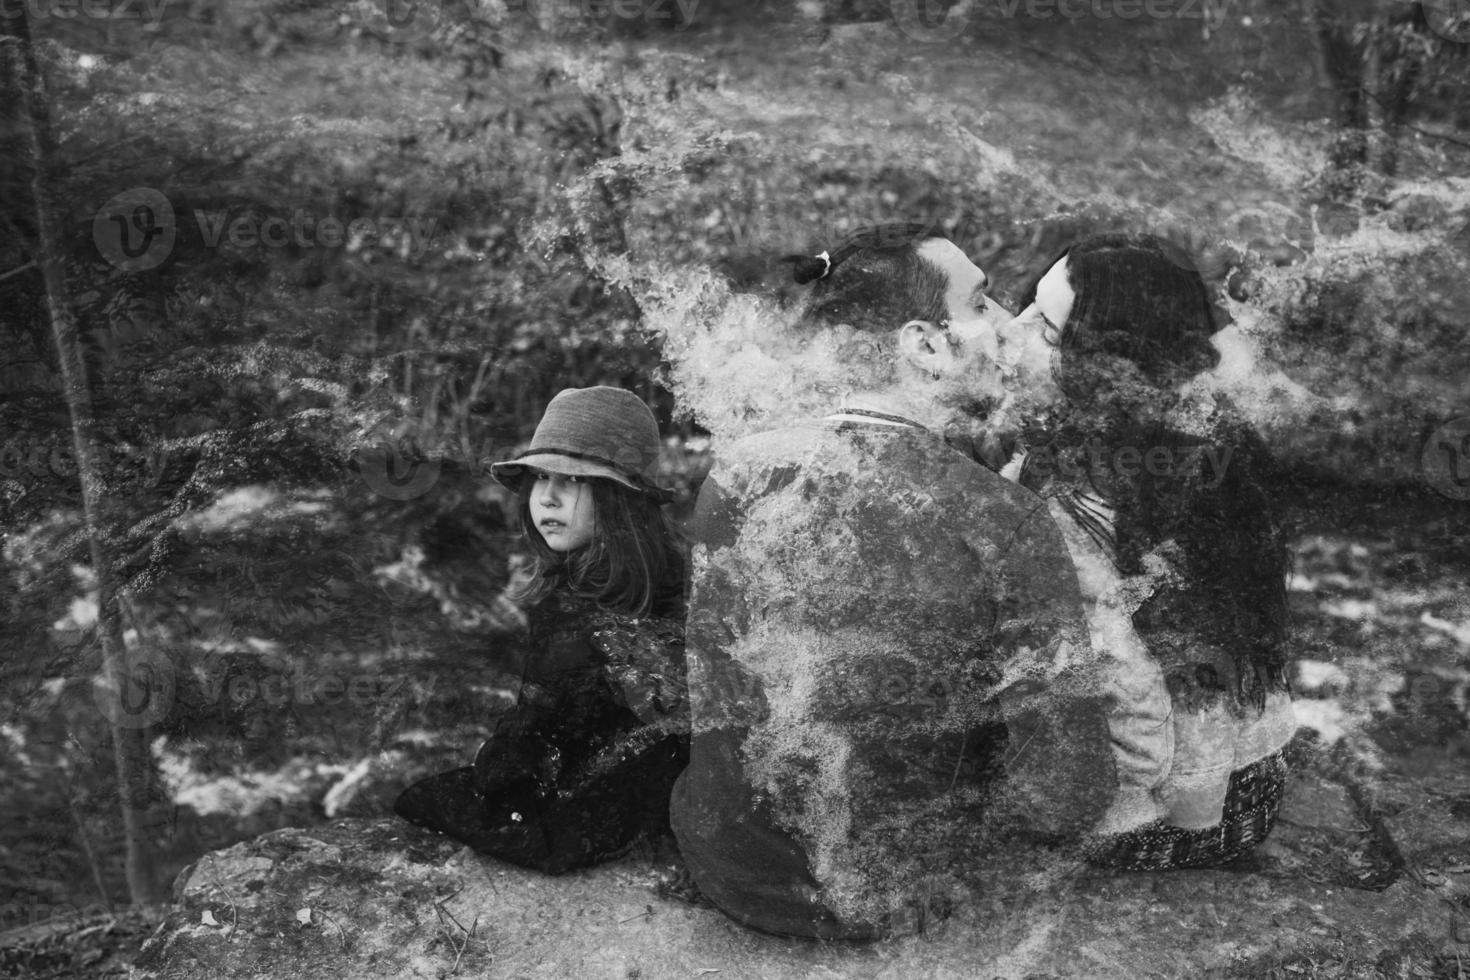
(562, 510)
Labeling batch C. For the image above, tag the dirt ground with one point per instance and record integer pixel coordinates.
(1366, 875)
(1331, 894)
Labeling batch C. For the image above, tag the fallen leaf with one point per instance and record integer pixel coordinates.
(303, 916)
(208, 918)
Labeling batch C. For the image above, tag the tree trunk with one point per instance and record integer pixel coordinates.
(1340, 67)
(1393, 73)
(1363, 58)
(119, 675)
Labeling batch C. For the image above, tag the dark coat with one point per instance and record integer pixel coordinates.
(585, 761)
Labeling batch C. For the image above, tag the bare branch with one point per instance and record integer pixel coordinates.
(18, 270)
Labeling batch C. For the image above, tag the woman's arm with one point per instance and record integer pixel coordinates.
(1139, 722)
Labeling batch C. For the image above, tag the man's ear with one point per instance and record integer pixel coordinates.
(924, 344)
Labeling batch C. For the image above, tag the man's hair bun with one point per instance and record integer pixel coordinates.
(808, 268)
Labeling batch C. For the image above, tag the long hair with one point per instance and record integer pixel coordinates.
(633, 564)
(1139, 327)
(1142, 318)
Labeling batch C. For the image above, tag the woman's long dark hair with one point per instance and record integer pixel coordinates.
(633, 564)
(1140, 302)
(1139, 327)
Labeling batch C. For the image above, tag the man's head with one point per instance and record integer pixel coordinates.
(917, 308)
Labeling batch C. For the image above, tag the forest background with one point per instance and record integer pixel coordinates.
(325, 261)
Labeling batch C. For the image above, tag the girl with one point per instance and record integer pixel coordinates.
(586, 760)
(1160, 498)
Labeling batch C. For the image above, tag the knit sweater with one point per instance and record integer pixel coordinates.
(1187, 602)
(889, 673)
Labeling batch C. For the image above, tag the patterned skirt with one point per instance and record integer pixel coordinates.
(1252, 800)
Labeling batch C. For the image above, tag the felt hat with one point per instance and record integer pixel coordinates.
(602, 431)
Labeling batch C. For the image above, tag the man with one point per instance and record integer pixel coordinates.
(889, 666)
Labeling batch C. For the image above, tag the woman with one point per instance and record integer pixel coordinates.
(1160, 499)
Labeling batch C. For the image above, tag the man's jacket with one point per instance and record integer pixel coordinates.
(890, 680)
